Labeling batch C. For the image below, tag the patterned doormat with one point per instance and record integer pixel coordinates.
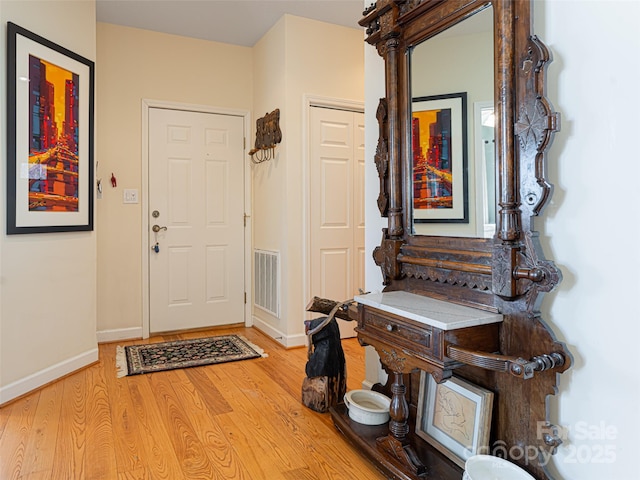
(156, 357)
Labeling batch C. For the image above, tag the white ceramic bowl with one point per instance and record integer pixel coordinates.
(367, 407)
(488, 467)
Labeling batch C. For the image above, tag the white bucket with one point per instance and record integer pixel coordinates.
(488, 467)
(367, 407)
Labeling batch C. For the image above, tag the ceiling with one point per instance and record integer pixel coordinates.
(238, 22)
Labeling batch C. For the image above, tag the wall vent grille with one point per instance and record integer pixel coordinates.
(266, 294)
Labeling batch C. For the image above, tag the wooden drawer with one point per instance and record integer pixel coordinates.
(399, 331)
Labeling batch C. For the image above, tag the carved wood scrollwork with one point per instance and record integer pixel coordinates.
(446, 275)
(437, 267)
(386, 257)
(535, 126)
(409, 5)
(504, 261)
(520, 270)
(394, 361)
(382, 157)
(535, 275)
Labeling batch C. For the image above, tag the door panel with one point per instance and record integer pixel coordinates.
(196, 279)
(179, 259)
(336, 192)
(336, 140)
(335, 272)
(217, 274)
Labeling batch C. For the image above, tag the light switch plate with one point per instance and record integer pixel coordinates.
(130, 195)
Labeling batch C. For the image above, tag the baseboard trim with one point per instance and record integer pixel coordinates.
(50, 374)
(288, 341)
(117, 334)
(299, 340)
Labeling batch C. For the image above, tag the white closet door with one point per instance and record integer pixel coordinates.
(336, 140)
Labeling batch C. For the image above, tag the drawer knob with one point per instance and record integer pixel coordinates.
(391, 328)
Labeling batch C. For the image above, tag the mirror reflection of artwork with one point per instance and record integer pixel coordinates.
(432, 173)
(439, 158)
(53, 137)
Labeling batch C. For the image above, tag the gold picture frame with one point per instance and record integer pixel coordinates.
(454, 416)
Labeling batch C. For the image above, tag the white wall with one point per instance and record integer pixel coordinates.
(590, 229)
(269, 187)
(132, 65)
(48, 281)
(297, 57)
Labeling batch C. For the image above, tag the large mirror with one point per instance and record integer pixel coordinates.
(451, 84)
(463, 130)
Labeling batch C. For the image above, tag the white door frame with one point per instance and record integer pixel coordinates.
(308, 102)
(144, 198)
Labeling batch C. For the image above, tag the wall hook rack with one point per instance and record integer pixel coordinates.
(268, 135)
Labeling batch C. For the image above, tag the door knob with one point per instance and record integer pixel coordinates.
(157, 228)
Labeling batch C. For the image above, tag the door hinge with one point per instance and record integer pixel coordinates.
(245, 298)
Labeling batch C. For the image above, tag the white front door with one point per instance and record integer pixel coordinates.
(196, 200)
(336, 140)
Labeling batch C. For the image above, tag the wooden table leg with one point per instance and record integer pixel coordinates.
(396, 442)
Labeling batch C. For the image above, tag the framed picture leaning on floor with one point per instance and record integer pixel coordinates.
(454, 416)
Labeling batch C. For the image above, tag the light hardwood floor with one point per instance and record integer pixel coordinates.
(240, 420)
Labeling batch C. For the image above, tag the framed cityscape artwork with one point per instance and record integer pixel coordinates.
(50, 96)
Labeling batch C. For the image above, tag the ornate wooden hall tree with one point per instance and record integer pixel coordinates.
(517, 356)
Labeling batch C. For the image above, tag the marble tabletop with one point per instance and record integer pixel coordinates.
(436, 313)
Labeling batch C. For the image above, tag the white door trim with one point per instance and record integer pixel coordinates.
(309, 101)
(144, 200)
